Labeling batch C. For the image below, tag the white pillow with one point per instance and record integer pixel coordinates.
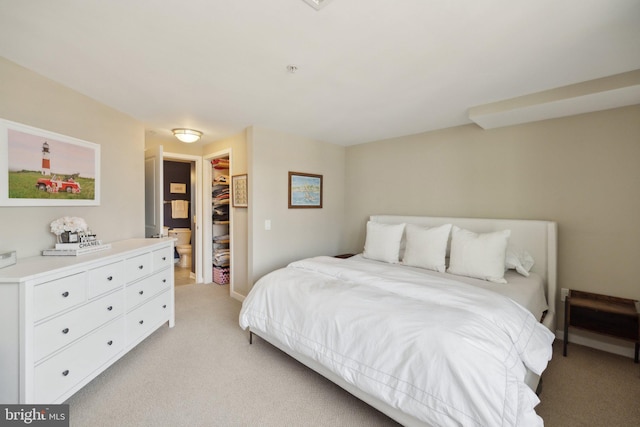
(383, 241)
(478, 255)
(426, 247)
(519, 260)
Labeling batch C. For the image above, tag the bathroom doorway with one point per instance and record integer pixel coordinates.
(181, 207)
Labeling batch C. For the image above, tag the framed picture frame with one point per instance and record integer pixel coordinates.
(239, 191)
(43, 168)
(177, 188)
(305, 190)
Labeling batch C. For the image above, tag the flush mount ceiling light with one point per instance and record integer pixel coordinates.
(187, 135)
(317, 4)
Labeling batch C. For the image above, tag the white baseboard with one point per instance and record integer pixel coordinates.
(237, 296)
(620, 350)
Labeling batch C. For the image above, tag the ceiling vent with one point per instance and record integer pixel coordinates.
(317, 4)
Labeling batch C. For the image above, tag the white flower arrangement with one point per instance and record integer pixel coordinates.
(72, 224)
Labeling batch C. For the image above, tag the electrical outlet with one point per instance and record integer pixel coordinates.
(564, 293)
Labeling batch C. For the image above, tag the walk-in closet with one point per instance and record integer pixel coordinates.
(221, 220)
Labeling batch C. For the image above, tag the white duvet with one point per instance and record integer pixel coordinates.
(445, 352)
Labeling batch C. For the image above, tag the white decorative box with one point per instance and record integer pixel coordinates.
(8, 258)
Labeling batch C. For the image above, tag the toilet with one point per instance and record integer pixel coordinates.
(183, 245)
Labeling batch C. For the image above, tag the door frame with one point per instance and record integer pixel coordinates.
(207, 176)
(197, 213)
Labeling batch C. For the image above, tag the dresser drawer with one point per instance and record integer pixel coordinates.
(55, 376)
(141, 291)
(105, 278)
(66, 328)
(138, 267)
(162, 258)
(145, 318)
(58, 295)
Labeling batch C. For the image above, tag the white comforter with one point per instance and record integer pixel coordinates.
(444, 352)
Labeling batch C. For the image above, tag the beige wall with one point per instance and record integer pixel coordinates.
(581, 171)
(28, 98)
(295, 233)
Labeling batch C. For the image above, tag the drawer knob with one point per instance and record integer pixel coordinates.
(141, 322)
(65, 331)
(109, 342)
(164, 258)
(110, 278)
(65, 372)
(141, 267)
(65, 294)
(164, 306)
(164, 280)
(141, 292)
(110, 308)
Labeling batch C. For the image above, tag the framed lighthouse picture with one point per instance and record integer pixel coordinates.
(43, 168)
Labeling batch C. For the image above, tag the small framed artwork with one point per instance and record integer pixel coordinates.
(239, 191)
(177, 188)
(305, 190)
(43, 168)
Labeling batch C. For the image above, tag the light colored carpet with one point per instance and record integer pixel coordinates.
(203, 372)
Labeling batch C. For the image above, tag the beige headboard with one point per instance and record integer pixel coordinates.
(539, 238)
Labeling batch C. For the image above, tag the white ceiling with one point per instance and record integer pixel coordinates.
(367, 69)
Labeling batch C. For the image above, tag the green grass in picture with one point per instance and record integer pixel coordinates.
(24, 185)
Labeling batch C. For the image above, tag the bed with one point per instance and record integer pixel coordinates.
(429, 334)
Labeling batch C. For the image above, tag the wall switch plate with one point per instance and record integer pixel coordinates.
(267, 224)
(564, 293)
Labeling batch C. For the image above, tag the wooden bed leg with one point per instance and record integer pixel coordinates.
(250, 337)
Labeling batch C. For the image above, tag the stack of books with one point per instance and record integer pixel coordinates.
(87, 244)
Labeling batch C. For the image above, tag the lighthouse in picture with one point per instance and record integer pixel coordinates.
(46, 163)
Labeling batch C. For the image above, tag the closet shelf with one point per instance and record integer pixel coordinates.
(220, 222)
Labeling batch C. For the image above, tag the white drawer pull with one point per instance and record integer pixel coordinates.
(65, 373)
(65, 294)
(65, 331)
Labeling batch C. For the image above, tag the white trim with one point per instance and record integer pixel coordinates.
(237, 296)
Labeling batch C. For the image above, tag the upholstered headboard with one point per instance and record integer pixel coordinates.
(539, 238)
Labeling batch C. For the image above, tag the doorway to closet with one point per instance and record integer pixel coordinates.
(218, 227)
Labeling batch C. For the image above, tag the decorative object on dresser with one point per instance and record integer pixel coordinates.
(603, 314)
(8, 258)
(65, 320)
(74, 238)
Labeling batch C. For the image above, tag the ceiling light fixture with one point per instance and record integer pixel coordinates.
(317, 4)
(187, 135)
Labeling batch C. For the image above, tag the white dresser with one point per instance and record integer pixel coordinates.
(64, 320)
